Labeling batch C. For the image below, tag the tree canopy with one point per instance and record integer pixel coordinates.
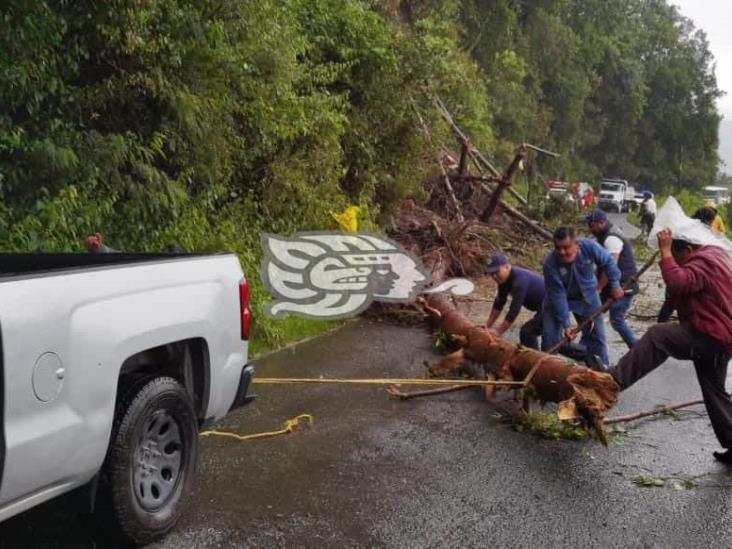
(207, 122)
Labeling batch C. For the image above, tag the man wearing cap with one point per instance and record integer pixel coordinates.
(697, 282)
(620, 248)
(526, 289)
(571, 286)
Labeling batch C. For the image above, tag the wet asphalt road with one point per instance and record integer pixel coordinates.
(438, 472)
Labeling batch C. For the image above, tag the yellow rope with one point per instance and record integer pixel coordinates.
(289, 426)
(411, 381)
(535, 369)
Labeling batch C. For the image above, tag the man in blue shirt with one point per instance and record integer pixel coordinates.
(526, 289)
(571, 286)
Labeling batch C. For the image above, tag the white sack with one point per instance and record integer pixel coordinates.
(672, 216)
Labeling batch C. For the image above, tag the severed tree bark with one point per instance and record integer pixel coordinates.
(579, 391)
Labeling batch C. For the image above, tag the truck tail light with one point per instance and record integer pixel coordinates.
(244, 310)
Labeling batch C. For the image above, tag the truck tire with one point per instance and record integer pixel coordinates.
(151, 462)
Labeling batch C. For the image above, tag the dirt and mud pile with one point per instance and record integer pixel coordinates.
(449, 247)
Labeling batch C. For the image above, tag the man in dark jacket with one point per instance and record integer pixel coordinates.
(619, 247)
(526, 289)
(698, 286)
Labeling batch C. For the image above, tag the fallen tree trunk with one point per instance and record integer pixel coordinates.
(579, 391)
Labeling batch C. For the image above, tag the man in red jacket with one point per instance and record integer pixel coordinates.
(699, 284)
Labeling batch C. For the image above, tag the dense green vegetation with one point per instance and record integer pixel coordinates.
(207, 122)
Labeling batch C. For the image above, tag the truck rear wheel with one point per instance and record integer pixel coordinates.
(151, 462)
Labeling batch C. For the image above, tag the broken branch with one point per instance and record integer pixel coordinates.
(661, 410)
(393, 391)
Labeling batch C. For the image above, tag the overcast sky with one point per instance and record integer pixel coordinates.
(713, 17)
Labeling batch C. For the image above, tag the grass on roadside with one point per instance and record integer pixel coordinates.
(291, 329)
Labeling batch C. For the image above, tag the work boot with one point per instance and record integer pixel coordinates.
(575, 351)
(725, 457)
(613, 372)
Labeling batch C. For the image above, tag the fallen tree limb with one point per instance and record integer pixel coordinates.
(446, 178)
(513, 212)
(579, 391)
(472, 150)
(401, 395)
(655, 411)
(457, 327)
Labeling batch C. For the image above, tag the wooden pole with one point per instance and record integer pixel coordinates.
(513, 212)
(505, 183)
(463, 166)
(458, 211)
(478, 158)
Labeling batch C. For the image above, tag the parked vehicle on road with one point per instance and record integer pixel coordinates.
(616, 195)
(573, 191)
(559, 190)
(720, 195)
(111, 363)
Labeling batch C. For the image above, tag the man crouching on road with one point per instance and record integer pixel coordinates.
(526, 289)
(698, 281)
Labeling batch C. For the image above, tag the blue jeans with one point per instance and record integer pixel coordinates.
(593, 339)
(618, 314)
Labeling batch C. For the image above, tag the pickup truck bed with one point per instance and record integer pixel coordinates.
(29, 264)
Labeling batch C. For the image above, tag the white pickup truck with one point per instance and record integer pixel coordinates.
(110, 365)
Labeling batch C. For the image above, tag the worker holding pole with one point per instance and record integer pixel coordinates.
(697, 279)
(620, 248)
(571, 286)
